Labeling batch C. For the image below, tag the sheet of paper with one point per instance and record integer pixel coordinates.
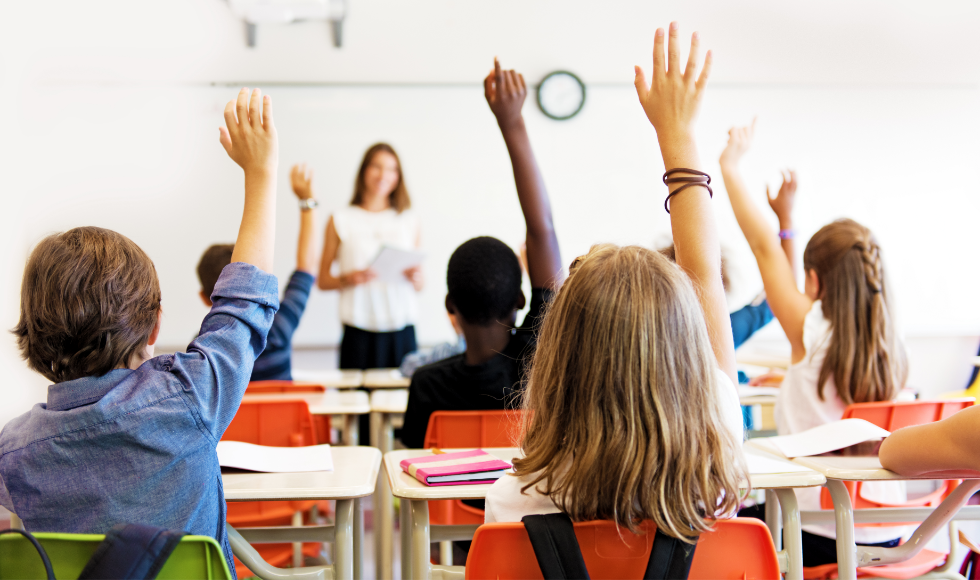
(747, 391)
(274, 459)
(391, 263)
(829, 437)
(760, 464)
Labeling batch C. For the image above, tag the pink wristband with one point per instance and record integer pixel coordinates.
(787, 234)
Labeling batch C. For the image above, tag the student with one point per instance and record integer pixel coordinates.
(274, 364)
(484, 289)
(952, 444)
(125, 437)
(845, 348)
(629, 416)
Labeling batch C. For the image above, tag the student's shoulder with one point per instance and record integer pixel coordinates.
(439, 374)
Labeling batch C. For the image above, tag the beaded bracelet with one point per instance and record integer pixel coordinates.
(699, 178)
(787, 234)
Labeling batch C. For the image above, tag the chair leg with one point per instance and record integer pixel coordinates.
(297, 546)
(446, 553)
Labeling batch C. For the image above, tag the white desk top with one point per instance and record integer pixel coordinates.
(406, 486)
(757, 400)
(330, 402)
(354, 475)
(330, 378)
(389, 400)
(385, 379)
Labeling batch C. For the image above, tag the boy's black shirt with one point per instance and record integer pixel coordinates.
(453, 385)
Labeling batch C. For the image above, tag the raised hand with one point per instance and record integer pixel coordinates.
(739, 142)
(782, 203)
(672, 97)
(505, 92)
(250, 137)
(301, 178)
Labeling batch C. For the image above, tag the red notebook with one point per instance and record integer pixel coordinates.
(460, 468)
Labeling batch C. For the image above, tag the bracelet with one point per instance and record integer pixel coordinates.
(787, 234)
(699, 178)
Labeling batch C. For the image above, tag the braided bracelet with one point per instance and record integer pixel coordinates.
(699, 178)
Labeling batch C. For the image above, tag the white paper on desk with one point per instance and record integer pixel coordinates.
(829, 437)
(747, 391)
(391, 263)
(760, 464)
(266, 459)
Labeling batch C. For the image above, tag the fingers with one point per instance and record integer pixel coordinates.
(225, 139)
(241, 108)
(255, 109)
(267, 113)
(705, 72)
(692, 59)
(658, 53)
(673, 49)
(640, 82)
(521, 85)
(508, 88)
(488, 87)
(498, 76)
(230, 119)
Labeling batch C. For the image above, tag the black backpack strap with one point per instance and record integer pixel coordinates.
(37, 546)
(670, 558)
(555, 546)
(130, 552)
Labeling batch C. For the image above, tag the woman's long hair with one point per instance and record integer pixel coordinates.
(865, 357)
(398, 198)
(623, 420)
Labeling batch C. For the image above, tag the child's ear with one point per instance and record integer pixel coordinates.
(450, 307)
(206, 299)
(155, 333)
(521, 301)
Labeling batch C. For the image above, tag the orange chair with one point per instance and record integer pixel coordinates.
(891, 415)
(739, 548)
(321, 423)
(277, 424)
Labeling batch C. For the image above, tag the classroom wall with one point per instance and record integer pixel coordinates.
(112, 108)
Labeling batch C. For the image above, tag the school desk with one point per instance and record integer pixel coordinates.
(416, 533)
(346, 404)
(385, 379)
(330, 378)
(838, 469)
(385, 404)
(353, 477)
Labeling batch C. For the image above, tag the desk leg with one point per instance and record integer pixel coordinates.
(772, 519)
(343, 546)
(405, 514)
(792, 533)
(351, 430)
(844, 514)
(358, 538)
(421, 569)
(384, 524)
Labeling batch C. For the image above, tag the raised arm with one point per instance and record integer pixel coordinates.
(250, 140)
(782, 206)
(301, 178)
(788, 304)
(505, 92)
(948, 445)
(671, 101)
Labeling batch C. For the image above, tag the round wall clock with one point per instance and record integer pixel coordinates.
(561, 95)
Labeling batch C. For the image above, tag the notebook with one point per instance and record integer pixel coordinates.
(240, 455)
(827, 438)
(459, 468)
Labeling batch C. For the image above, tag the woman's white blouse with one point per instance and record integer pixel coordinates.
(375, 306)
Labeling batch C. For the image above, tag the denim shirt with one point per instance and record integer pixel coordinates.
(138, 446)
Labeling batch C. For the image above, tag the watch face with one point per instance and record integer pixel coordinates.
(561, 95)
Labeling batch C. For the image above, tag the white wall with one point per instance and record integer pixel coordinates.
(111, 111)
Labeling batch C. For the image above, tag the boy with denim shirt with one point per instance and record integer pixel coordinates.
(125, 437)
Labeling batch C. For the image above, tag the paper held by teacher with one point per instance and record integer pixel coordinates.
(391, 263)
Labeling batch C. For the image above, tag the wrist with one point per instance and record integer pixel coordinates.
(260, 173)
(511, 124)
(785, 224)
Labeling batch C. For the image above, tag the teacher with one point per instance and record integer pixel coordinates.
(378, 317)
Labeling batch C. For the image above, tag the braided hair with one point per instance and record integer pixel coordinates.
(865, 357)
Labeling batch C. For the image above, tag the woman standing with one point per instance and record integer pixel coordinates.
(378, 317)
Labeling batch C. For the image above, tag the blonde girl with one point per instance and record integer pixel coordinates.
(629, 416)
(845, 348)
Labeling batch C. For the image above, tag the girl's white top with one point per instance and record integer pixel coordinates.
(506, 503)
(375, 306)
(798, 408)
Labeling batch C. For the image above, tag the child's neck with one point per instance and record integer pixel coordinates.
(483, 342)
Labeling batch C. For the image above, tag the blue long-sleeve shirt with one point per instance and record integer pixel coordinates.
(275, 362)
(138, 446)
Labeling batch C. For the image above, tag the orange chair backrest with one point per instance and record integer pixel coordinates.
(273, 423)
(257, 387)
(450, 429)
(738, 548)
(891, 415)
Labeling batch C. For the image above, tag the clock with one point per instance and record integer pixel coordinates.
(561, 95)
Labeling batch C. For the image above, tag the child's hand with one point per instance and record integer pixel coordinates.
(739, 141)
(505, 91)
(250, 138)
(672, 98)
(782, 204)
(301, 179)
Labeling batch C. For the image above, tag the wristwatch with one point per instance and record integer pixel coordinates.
(308, 203)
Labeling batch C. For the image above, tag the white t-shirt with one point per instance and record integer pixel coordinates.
(798, 408)
(375, 306)
(506, 503)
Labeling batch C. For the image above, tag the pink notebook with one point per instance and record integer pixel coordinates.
(460, 468)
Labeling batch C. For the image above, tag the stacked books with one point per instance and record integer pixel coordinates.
(463, 467)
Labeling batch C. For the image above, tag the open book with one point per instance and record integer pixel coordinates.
(825, 438)
(239, 455)
(463, 467)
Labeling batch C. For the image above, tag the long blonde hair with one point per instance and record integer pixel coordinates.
(622, 419)
(865, 357)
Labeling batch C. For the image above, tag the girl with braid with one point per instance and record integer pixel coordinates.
(845, 348)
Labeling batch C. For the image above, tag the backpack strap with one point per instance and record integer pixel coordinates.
(670, 558)
(131, 551)
(48, 570)
(555, 546)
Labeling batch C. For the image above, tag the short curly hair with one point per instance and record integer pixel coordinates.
(212, 263)
(484, 280)
(88, 302)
